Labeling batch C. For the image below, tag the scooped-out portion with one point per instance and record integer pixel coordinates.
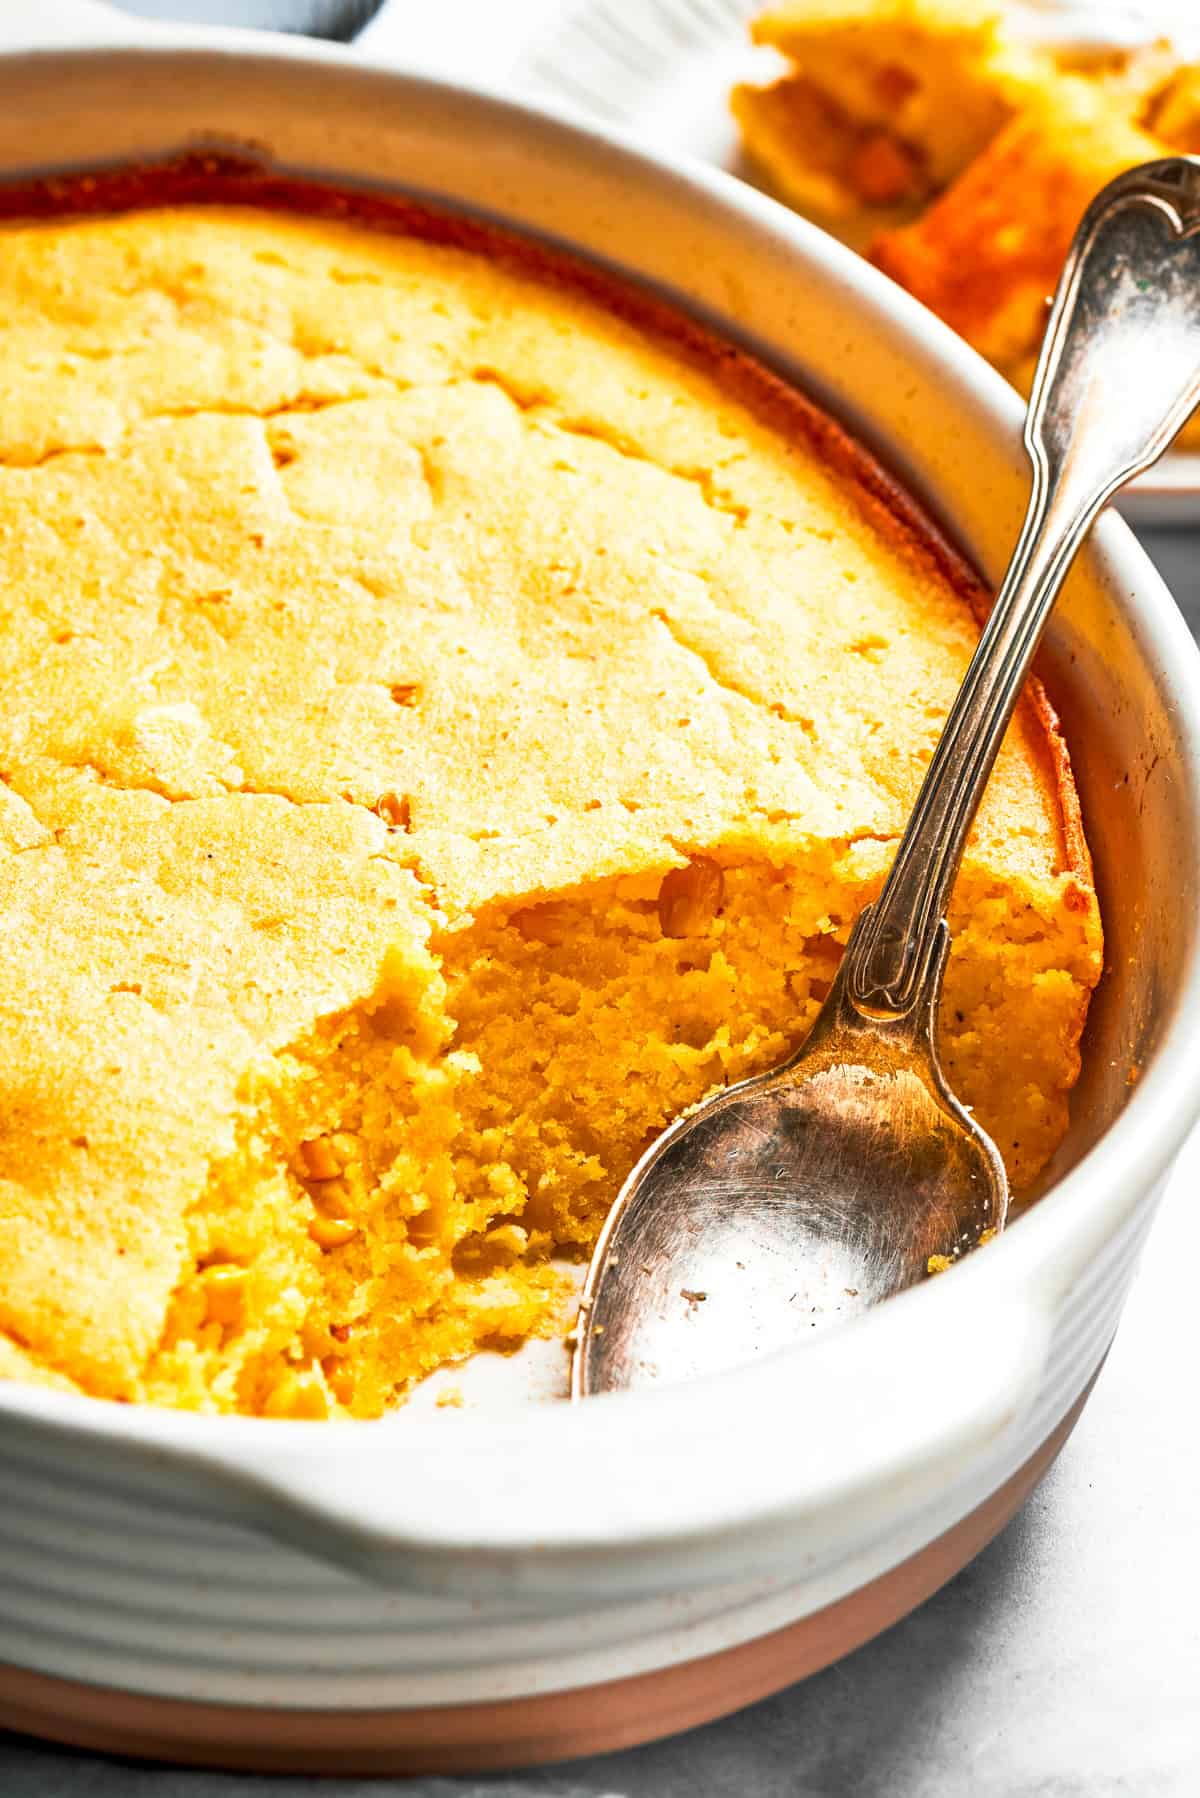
(455, 712)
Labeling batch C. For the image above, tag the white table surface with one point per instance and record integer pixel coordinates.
(1063, 1663)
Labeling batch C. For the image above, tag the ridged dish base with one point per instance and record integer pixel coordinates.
(518, 1732)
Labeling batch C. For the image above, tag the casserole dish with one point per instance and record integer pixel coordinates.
(517, 1581)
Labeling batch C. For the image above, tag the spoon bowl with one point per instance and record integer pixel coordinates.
(756, 1219)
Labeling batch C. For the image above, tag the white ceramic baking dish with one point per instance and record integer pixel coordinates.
(516, 1580)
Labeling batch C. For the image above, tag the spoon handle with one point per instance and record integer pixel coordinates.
(1119, 373)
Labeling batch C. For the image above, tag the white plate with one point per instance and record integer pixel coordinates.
(662, 69)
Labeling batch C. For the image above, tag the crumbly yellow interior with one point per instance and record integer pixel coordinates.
(447, 732)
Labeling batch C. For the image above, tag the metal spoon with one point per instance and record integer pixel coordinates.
(799, 1197)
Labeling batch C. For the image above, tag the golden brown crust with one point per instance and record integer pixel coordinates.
(891, 510)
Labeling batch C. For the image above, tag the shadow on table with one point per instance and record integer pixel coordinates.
(875, 1725)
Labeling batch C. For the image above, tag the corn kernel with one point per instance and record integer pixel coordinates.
(510, 1237)
(894, 85)
(332, 1232)
(551, 923)
(881, 171)
(297, 1395)
(340, 1380)
(319, 1159)
(690, 898)
(225, 1294)
(395, 809)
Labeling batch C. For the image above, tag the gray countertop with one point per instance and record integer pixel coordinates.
(1063, 1663)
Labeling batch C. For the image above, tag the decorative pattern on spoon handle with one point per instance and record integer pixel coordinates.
(1122, 344)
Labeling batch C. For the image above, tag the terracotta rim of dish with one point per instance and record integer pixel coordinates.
(515, 1732)
(222, 179)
